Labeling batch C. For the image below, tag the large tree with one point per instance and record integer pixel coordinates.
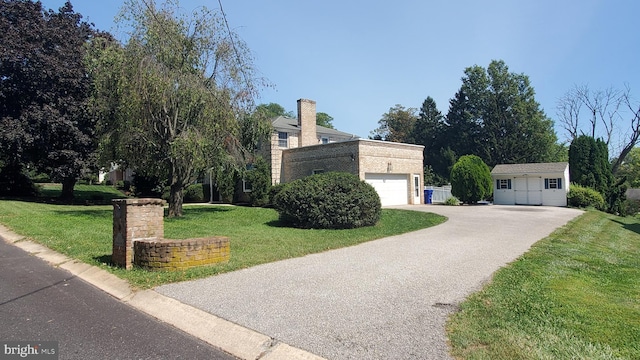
(495, 116)
(396, 125)
(184, 84)
(427, 131)
(609, 114)
(44, 89)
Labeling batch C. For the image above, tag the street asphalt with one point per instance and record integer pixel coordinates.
(39, 302)
(385, 299)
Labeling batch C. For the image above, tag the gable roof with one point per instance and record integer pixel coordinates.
(283, 123)
(531, 168)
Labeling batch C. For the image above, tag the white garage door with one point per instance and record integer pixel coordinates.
(528, 190)
(392, 188)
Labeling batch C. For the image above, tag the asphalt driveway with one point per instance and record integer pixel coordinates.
(385, 299)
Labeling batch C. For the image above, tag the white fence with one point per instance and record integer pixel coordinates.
(440, 194)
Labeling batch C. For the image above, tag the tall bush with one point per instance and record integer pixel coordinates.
(328, 201)
(260, 179)
(471, 179)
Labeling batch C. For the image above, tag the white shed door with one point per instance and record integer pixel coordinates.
(392, 188)
(528, 190)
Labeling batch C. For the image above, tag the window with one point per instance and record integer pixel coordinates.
(503, 184)
(283, 139)
(324, 140)
(246, 186)
(553, 183)
(317, 171)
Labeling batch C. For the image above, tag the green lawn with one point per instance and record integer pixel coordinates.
(85, 233)
(574, 295)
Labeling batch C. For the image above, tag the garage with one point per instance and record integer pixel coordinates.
(392, 188)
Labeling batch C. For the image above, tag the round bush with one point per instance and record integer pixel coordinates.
(471, 179)
(583, 197)
(328, 201)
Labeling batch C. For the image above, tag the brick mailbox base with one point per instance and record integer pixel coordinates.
(166, 254)
(138, 238)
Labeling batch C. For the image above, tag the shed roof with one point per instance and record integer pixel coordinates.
(284, 123)
(531, 168)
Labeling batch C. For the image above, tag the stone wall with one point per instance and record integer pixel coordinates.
(138, 238)
(166, 254)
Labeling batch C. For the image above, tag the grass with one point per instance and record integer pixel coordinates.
(574, 295)
(256, 236)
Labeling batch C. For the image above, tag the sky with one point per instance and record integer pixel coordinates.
(358, 58)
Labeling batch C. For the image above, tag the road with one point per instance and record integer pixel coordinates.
(39, 302)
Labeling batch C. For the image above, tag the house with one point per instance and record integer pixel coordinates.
(531, 184)
(300, 148)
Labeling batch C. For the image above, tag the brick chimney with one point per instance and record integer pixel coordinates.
(307, 122)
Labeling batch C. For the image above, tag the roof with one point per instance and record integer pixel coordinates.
(531, 168)
(283, 123)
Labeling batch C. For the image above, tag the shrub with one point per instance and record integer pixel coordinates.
(194, 193)
(452, 201)
(471, 179)
(328, 201)
(583, 197)
(147, 186)
(273, 191)
(260, 179)
(15, 182)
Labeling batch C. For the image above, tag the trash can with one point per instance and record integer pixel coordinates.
(428, 196)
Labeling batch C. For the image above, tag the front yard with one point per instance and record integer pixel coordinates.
(85, 233)
(574, 295)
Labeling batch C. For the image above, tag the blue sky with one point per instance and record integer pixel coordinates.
(359, 58)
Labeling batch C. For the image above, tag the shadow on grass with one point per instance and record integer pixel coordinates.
(191, 211)
(80, 197)
(635, 227)
(91, 213)
(104, 259)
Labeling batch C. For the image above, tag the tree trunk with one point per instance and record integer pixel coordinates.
(176, 197)
(67, 188)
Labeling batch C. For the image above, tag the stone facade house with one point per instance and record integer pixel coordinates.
(300, 148)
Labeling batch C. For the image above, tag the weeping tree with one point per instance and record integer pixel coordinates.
(176, 91)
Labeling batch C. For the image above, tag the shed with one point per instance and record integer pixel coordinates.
(531, 184)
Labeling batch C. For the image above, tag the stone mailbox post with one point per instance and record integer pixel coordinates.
(135, 219)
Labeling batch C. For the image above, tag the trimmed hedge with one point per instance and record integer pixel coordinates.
(583, 197)
(328, 201)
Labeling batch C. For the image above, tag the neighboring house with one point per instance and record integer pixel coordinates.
(300, 148)
(115, 174)
(531, 184)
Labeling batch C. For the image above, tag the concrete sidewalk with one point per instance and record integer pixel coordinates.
(383, 299)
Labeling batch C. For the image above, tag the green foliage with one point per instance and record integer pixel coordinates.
(329, 201)
(194, 193)
(471, 179)
(15, 183)
(274, 191)
(428, 131)
(396, 125)
(589, 163)
(147, 186)
(260, 179)
(45, 90)
(630, 168)
(175, 114)
(324, 119)
(452, 201)
(585, 197)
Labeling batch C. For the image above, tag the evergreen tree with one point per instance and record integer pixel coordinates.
(589, 164)
(471, 179)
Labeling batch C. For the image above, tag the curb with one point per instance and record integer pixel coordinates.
(230, 337)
